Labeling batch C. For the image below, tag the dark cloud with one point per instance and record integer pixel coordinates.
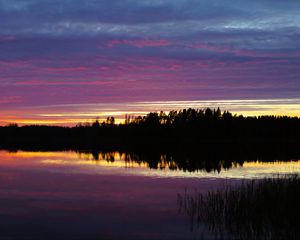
(118, 11)
(59, 17)
(151, 46)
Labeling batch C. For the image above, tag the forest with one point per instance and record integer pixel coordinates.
(187, 127)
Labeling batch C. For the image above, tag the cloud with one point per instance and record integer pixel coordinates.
(100, 51)
(7, 38)
(141, 43)
(55, 17)
(10, 99)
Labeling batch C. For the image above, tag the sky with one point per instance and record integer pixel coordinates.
(64, 62)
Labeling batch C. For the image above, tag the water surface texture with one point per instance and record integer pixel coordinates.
(72, 195)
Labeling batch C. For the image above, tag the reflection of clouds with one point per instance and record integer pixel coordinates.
(116, 163)
(263, 169)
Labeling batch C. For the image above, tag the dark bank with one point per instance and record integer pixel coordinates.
(177, 128)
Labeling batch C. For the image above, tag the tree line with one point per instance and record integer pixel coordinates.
(190, 127)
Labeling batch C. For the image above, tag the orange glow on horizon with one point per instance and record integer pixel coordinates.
(73, 114)
(115, 162)
(112, 159)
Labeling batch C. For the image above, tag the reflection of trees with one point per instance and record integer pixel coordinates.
(206, 158)
(108, 156)
(189, 162)
(261, 209)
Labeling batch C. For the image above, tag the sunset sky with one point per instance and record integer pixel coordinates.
(64, 62)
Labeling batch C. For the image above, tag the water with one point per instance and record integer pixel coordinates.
(72, 195)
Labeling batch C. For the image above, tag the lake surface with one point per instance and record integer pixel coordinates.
(81, 195)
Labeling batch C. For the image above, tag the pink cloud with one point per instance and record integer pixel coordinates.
(66, 69)
(72, 83)
(241, 52)
(10, 99)
(7, 38)
(265, 54)
(139, 43)
(209, 47)
(14, 64)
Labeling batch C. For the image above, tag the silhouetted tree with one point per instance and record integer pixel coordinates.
(152, 119)
(96, 124)
(208, 114)
(187, 126)
(110, 120)
(217, 113)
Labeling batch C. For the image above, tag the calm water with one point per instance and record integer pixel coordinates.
(69, 195)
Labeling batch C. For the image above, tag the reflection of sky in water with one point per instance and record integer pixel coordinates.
(115, 164)
(67, 195)
(59, 195)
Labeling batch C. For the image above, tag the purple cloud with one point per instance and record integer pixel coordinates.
(62, 52)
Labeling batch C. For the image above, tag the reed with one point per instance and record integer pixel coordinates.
(256, 209)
